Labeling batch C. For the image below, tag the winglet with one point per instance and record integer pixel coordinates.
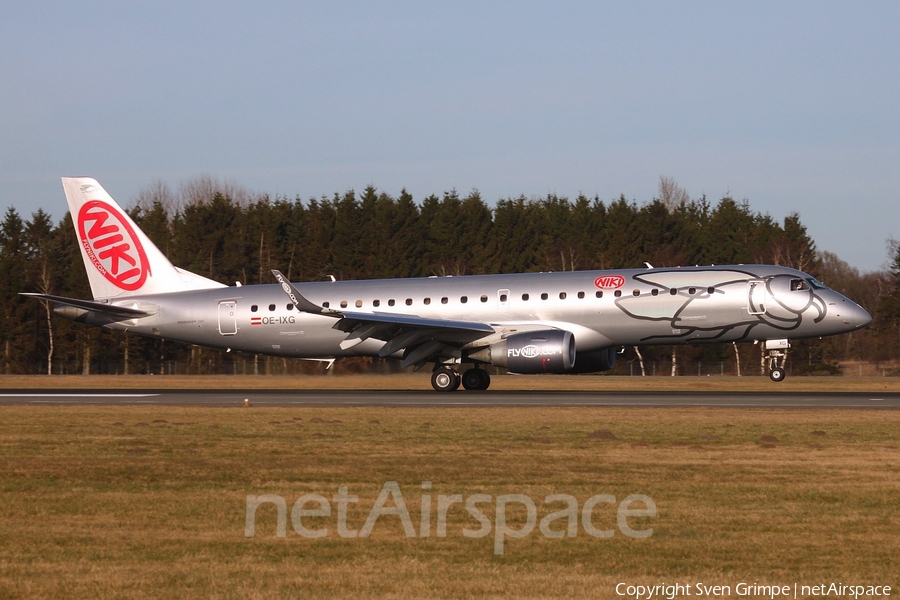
(302, 304)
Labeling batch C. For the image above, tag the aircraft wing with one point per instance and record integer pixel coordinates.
(420, 338)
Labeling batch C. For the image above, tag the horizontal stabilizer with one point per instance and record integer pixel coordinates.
(98, 307)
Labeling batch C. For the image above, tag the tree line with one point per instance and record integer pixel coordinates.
(224, 233)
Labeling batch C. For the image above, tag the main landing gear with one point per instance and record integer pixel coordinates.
(447, 379)
(776, 357)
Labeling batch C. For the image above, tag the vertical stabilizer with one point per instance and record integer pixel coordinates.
(119, 258)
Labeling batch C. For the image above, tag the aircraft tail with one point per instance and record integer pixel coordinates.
(119, 258)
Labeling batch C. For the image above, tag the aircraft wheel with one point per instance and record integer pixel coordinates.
(476, 379)
(485, 380)
(777, 374)
(445, 379)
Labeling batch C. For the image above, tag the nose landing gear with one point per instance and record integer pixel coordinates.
(776, 374)
(776, 357)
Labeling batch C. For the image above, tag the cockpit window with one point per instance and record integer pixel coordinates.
(816, 284)
(798, 285)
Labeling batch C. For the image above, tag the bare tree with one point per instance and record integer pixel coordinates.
(197, 191)
(762, 358)
(202, 189)
(671, 194)
(640, 361)
(674, 361)
(157, 192)
(45, 287)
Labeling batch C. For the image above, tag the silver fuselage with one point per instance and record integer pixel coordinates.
(602, 309)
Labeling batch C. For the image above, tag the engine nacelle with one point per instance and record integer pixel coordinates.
(545, 351)
(596, 361)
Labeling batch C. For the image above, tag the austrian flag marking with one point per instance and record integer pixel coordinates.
(112, 246)
(609, 282)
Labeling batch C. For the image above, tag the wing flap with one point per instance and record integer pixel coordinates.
(351, 320)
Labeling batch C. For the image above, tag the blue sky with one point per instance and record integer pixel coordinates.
(794, 106)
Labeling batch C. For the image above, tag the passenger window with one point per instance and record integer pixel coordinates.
(343, 304)
(618, 294)
(409, 301)
(359, 304)
(290, 307)
(711, 290)
(673, 292)
(502, 297)
(444, 300)
(391, 302)
(562, 295)
(376, 303)
(326, 304)
(254, 308)
(484, 298)
(580, 295)
(464, 299)
(525, 297)
(544, 296)
(598, 293)
(636, 293)
(427, 301)
(692, 291)
(271, 308)
(655, 292)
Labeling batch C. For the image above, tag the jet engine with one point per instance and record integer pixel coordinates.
(545, 351)
(596, 361)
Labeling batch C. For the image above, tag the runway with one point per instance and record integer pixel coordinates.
(461, 399)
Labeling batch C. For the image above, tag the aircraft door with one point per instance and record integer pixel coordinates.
(503, 301)
(756, 297)
(228, 317)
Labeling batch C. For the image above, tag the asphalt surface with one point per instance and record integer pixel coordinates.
(425, 399)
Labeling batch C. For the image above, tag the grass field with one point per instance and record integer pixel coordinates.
(148, 502)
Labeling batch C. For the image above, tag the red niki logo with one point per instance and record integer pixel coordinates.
(112, 245)
(609, 282)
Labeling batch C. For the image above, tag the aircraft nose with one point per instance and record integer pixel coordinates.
(854, 315)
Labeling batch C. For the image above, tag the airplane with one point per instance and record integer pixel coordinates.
(527, 323)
